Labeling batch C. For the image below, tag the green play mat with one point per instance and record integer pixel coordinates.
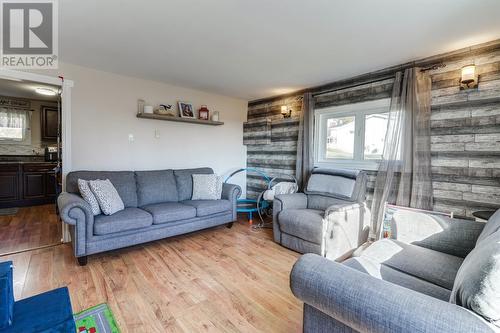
(97, 319)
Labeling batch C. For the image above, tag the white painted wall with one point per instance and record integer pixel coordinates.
(103, 114)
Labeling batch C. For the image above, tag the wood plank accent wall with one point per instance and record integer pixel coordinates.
(465, 128)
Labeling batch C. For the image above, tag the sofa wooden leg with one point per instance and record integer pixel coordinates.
(82, 261)
(229, 225)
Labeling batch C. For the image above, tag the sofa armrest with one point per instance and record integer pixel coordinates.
(345, 228)
(452, 236)
(231, 192)
(367, 304)
(282, 202)
(77, 212)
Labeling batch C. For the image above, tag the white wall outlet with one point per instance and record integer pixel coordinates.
(131, 138)
(157, 134)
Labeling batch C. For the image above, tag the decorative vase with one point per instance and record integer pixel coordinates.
(203, 112)
(215, 116)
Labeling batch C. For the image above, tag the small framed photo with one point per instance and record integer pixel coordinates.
(186, 110)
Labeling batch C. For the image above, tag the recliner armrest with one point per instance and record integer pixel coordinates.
(367, 304)
(345, 228)
(282, 202)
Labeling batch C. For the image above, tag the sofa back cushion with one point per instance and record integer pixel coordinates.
(477, 286)
(184, 179)
(123, 181)
(156, 187)
(491, 226)
(337, 183)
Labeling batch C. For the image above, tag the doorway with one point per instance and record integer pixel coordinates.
(31, 160)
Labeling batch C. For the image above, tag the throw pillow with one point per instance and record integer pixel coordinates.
(107, 196)
(87, 195)
(477, 286)
(207, 187)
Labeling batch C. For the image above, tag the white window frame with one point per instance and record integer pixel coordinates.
(359, 111)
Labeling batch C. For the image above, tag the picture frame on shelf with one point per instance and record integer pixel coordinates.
(186, 110)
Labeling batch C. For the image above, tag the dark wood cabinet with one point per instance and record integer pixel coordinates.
(50, 183)
(9, 184)
(34, 185)
(49, 123)
(27, 184)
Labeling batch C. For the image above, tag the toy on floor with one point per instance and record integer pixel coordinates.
(282, 184)
(97, 319)
(251, 206)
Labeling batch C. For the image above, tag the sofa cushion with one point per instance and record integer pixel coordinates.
(209, 207)
(170, 212)
(184, 180)
(322, 202)
(386, 273)
(47, 312)
(206, 187)
(127, 219)
(155, 187)
(429, 265)
(123, 181)
(306, 224)
(477, 285)
(106, 195)
(491, 226)
(88, 196)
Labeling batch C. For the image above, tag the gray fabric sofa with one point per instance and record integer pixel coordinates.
(418, 281)
(330, 218)
(157, 205)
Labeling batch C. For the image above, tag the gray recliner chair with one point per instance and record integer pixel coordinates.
(330, 218)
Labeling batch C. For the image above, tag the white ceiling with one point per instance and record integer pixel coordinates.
(257, 48)
(25, 89)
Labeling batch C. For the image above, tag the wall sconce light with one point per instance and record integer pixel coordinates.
(285, 112)
(469, 78)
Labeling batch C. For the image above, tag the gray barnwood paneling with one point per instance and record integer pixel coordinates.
(465, 127)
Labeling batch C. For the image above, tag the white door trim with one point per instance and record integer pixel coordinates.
(66, 86)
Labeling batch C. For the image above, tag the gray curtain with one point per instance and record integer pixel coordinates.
(404, 174)
(305, 149)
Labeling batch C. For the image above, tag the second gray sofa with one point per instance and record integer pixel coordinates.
(157, 205)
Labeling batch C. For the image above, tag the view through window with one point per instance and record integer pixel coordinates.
(352, 135)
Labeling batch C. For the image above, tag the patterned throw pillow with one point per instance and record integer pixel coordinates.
(88, 196)
(207, 187)
(107, 196)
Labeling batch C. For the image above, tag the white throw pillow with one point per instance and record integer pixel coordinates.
(107, 196)
(87, 195)
(207, 187)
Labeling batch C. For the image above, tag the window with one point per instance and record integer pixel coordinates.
(15, 125)
(351, 135)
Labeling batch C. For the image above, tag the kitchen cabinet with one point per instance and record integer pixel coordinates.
(27, 184)
(49, 123)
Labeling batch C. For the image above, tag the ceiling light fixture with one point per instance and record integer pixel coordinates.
(46, 91)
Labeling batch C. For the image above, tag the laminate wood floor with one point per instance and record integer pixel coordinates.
(29, 228)
(216, 280)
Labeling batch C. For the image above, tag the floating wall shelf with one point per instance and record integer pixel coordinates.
(179, 119)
